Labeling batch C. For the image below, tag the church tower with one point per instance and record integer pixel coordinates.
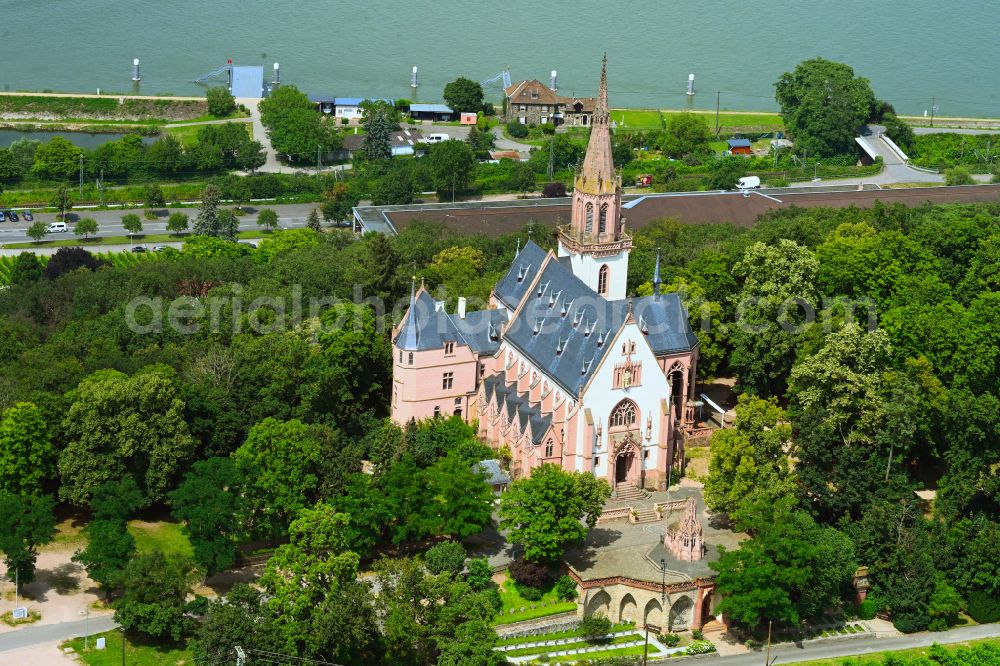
(595, 239)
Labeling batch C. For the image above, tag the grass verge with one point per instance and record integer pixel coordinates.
(606, 654)
(556, 635)
(879, 658)
(138, 239)
(135, 653)
(167, 538)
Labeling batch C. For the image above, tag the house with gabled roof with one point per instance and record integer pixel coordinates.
(562, 367)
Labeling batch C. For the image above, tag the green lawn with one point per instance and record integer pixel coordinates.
(877, 658)
(162, 536)
(549, 604)
(523, 652)
(636, 118)
(138, 239)
(607, 654)
(556, 635)
(135, 654)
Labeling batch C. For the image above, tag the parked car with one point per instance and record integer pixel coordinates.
(249, 244)
(12, 215)
(28, 217)
(159, 248)
(139, 248)
(2, 217)
(56, 227)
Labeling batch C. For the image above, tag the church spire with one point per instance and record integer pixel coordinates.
(601, 113)
(410, 334)
(598, 173)
(656, 275)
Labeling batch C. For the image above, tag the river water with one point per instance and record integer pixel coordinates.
(912, 51)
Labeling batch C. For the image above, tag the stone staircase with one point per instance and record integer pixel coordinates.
(713, 626)
(645, 516)
(627, 493)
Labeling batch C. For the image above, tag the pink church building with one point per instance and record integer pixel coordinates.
(563, 367)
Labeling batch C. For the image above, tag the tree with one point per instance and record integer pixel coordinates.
(338, 202)
(116, 499)
(457, 266)
(221, 102)
(267, 218)
(132, 223)
(824, 105)
(229, 224)
(10, 167)
(280, 463)
(900, 132)
(448, 556)
(379, 120)
(296, 130)
(480, 576)
(726, 173)
(313, 569)
(776, 300)
(522, 177)
(210, 504)
(393, 189)
(452, 164)
(118, 425)
(595, 627)
(207, 222)
(155, 589)
(517, 130)
(27, 457)
(463, 95)
(686, 134)
(553, 190)
(62, 199)
(748, 462)
(37, 231)
(543, 513)
(26, 269)
(153, 196)
(238, 618)
(26, 522)
(461, 502)
(472, 645)
(23, 150)
(790, 569)
(85, 227)
(177, 223)
(109, 549)
(56, 159)
(67, 259)
(313, 221)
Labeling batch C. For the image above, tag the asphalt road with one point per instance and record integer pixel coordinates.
(786, 654)
(51, 633)
(109, 222)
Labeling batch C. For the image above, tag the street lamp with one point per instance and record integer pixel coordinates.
(86, 631)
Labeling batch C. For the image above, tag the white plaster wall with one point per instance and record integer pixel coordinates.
(586, 267)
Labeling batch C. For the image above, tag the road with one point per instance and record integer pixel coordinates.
(786, 654)
(53, 633)
(109, 222)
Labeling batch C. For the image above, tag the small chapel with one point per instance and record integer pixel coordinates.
(563, 367)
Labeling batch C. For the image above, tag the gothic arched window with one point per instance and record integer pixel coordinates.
(624, 415)
(602, 221)
(549, 448)
(602, 280)
(589, 228)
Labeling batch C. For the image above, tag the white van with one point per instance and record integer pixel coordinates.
(436, 138)
(748, 183)
(56, 227)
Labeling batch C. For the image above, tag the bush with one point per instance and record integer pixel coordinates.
(983, 608)
(958, 176)
(867, 609)
(220, 102)
(517, 130)
(595, 627)
(480, 574)
(911, 621)
(700, 647)
(670, 640)
(445, 557)
(697, 634)
(553, 190)
(528, 593)
(548, 128)
(566, 588)
(527, 573)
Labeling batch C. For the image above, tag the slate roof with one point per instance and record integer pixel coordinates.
(527, 263)
(517, 407)
(665, 322)
(427, 327)
(495, 476)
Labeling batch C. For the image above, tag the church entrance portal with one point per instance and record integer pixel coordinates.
(622, 466)
(627, 466)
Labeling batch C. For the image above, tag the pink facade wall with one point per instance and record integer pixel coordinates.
(418, 388)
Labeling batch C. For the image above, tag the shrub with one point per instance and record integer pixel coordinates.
(911, 621)
(752, 644)
(220, 101)
(480, 573)
(697, 634)
(445, 557)
(528, 593)
(149, 214)
(777, 182)
(700, 647)
(958, 176)
(867, 609)
(595, 627)
(566, 588)
(552, 190)
(517, 130)
(670, 640)
(983, 607)
(527, 573)
(548, 128)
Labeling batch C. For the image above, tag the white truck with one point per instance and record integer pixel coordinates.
(748, 183)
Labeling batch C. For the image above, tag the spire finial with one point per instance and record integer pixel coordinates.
(656, 275)
(518, 250)
(601, 110)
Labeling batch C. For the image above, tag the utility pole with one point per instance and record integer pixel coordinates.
(767, 658)
(933, 99)
(123, 646)
(718, 98)
(100, 186)
(81, 174)
(645, 647)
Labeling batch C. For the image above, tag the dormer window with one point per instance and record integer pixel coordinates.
(449, 348)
